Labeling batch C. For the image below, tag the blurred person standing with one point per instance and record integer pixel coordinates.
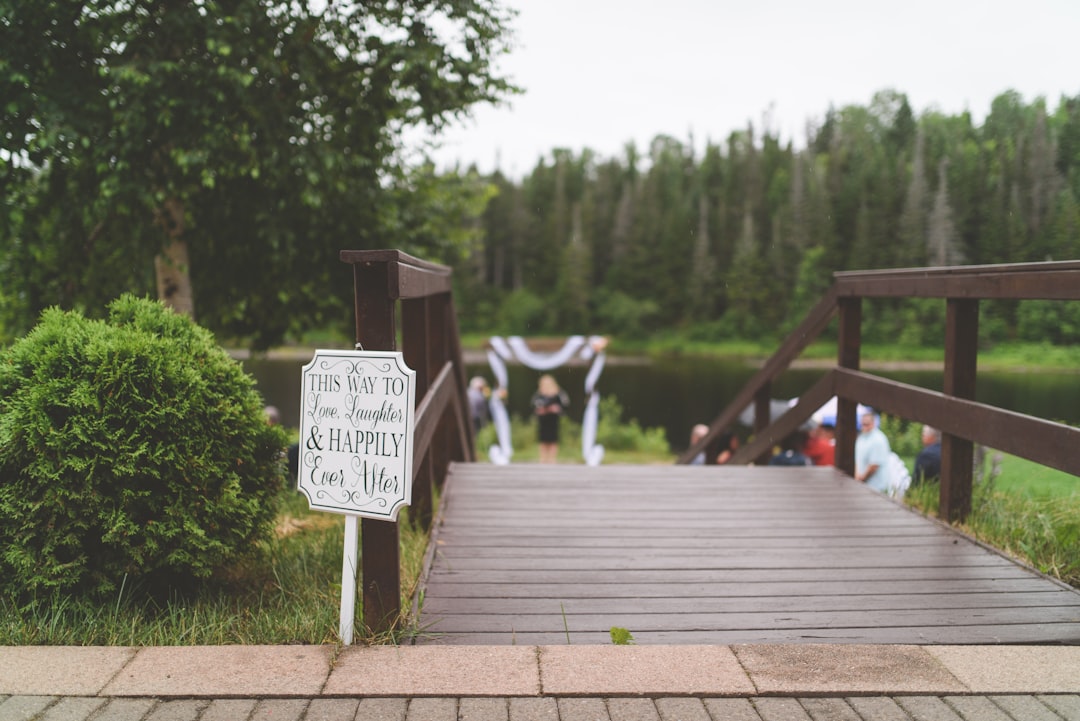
(928, 462)
(479, 393)
(821, 445)
(872, 454)
(549, 402)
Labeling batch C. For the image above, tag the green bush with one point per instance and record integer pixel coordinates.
(905, 437)
(615, 434)
(132, 448)
(1058, 321)
(522, 312)
(921, 322)
(625, 316)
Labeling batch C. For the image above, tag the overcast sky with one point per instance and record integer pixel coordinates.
(600, 73)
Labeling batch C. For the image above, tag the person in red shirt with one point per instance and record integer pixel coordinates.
(821, 446)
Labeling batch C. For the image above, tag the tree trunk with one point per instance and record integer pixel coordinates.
(171, 265)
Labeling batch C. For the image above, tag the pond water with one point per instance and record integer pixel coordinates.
(675, 393)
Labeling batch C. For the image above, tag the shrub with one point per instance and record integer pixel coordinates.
(132, 447)
(921, 322)
(905, 437)
(626, 316)
(1058, 321)
(522, 312)
(615, 434)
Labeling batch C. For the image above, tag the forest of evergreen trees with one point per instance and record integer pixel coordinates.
(739, 241)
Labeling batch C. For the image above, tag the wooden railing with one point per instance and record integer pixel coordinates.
(430, 345)
(963, 421)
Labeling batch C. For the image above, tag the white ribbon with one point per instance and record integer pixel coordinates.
(515, 348)
(504, 451)
(547, 361)
(590, 450)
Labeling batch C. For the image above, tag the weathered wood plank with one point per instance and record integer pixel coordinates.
(1045, 442)
(440, 587)
(628, 541)
(721, 555)
(568, 521)
(959, 635)
(557, 619)
(630, 578)
(719, 561)
(686, 605)
(1035, 281)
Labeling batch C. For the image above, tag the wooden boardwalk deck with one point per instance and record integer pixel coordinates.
(532, 554)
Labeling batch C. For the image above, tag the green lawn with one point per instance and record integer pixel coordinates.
(1022, 477)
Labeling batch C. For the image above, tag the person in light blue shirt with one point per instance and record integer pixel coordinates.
(872, 454)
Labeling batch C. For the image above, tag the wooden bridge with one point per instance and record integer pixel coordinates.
(534, 554)
(531, 554)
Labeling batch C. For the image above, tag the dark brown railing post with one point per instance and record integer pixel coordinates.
(763, 417)
(466, 447)
(438, 306)
(379, 540)
(849, 345)
(961, 358)
(431, 347)
(416, 351)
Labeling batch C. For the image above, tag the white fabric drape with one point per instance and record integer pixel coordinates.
(514, 348)
(504, 451)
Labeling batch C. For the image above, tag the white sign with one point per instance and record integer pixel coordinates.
(356, 433)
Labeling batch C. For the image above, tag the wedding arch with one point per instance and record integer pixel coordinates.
(514, 348)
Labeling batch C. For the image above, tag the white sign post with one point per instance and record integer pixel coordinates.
(356, 446)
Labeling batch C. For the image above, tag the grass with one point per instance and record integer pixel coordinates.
(288, 593)
(623, 442)
(1028, 511)
(1028, 479)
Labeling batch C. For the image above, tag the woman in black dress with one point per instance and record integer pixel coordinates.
(549, 402)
